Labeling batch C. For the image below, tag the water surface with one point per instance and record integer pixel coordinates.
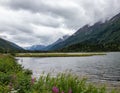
(105, 68)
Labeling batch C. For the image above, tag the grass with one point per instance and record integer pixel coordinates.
(57, 54)
(13, 78)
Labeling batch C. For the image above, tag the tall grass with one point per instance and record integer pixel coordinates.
(65, 83)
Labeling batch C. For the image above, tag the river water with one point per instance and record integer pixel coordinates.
(105, 68)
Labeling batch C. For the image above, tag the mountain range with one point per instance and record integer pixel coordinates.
(46, 48)
(105, 35)
(102, 36)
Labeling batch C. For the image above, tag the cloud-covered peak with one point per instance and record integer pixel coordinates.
(27, 22)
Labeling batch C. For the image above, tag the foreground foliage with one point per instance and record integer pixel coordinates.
(12, 76)
(15, 79)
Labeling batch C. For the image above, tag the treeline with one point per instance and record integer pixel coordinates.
(10, 50)
(13, 51)
(85, 47)
(80, 47)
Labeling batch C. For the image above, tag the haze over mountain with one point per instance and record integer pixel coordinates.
(35, 48)
(105, 35)
(46, 48)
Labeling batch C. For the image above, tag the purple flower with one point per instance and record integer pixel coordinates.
(70, 91)
(32, 81)
(62, 92)
(55, 90)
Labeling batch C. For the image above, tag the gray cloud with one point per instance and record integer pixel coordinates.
(75, 13)
(27, 22)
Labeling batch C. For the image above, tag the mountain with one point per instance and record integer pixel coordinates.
(105, 34)
(7, 46)
(36, 48)
(46, 48)
(49, 47)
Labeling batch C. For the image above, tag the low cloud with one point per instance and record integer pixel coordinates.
(27, 22)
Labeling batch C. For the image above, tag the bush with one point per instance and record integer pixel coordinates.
(13, 76)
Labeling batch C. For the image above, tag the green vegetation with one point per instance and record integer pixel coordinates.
(91, 47)
(15, 79)
(7, 47)
(65, 83)
(57, 54)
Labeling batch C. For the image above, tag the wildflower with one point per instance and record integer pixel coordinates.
(70, 91)
(55, 90)
(62, 92)
(32, 81)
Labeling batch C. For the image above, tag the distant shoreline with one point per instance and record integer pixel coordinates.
(59, 54)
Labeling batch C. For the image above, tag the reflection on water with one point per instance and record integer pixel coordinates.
(96, 68)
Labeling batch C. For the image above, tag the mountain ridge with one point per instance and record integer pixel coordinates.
(46, 48)
(99, 33)
(7, 46)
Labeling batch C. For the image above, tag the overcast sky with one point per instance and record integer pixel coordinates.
(29, 22)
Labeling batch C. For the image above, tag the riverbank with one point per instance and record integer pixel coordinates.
(58, 54)
(14, 78)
